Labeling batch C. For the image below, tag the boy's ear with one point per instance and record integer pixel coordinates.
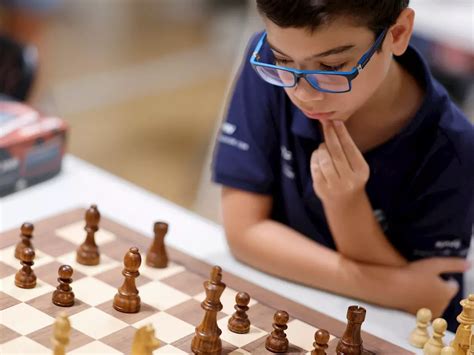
(401, 31)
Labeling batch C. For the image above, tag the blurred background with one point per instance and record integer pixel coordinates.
(143, 83)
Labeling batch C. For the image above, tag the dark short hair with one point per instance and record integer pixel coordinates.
(374, 14)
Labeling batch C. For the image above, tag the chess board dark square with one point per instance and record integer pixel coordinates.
(184, 344)
(6, 270)
(130, 318)
(6, 334)
(53, 246)
(187, 282)
(258, 347)
(7, 301)
(76, 339)
(190, 312)
(44, 304)
(261, 316)
(122, 339)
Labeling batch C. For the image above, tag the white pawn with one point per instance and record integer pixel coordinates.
(420, 335)
(448, 350)
(435, 344)
(471, 346)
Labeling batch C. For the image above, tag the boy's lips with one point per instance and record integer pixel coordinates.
(319, 115)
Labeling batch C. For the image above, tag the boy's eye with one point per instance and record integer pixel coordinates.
(281, 61)
(332, 67)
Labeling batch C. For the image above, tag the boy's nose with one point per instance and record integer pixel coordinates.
(305, 92)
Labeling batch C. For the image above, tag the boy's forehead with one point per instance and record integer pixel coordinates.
(302, 42)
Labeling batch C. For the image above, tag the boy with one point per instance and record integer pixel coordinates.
(345, 165)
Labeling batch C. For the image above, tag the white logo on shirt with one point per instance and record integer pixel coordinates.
(285, 153)
(228, 128)
(453, 244)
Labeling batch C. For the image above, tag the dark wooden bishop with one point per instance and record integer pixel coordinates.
(26, 234)
(207, 336)
(88, 252)
(351, 341)
(157, 256)
(321, 339)
(25, 277)
(127, 300)
(63, 295)
(277, 342)
(239, 322)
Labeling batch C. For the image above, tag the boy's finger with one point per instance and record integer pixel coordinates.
(326, 165)
(352, 152)
(335, 149)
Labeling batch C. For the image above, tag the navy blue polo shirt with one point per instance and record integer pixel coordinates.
(421, 183)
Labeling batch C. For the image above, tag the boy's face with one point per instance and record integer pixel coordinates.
(299, 48)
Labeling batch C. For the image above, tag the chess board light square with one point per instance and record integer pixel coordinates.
(96, 323)
(7, 256)
(7, 285)
(302, 334)
(159, 274)
(167, 327)
(161, 296)
(105, 264)
(26, 345)
(95, 347)
(93, 291)
(168, 349)
(227, 300)
(24, 319)
(239, 339)
(76, 234)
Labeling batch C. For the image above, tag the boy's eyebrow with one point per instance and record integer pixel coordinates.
(327, 53)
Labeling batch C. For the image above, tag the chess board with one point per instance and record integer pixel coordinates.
(170, 298)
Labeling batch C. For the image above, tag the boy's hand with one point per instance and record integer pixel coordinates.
(423, 287)
(338, 168)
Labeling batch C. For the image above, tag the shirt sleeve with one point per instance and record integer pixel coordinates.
(438, 209)
(245, 155)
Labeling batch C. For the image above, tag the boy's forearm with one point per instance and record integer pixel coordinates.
(281, 251)
(358, 235)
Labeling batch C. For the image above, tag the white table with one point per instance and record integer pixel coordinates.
(81, 184)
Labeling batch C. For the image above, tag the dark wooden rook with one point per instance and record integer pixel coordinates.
(157, 256)
(88, 252)
(277, 342)
(26, 234)
(63, 295)
(321, 339)
(351, 341)
(239, 322)
(25, 277)
(207, 336)
(127, 299)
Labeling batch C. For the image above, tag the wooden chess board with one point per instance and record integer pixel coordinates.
(170, 298)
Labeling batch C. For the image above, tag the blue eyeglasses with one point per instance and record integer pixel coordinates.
(322, 80)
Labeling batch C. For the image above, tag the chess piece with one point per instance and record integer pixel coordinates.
(25, 277)
(434, 345)
(126, 299)
(157, 256)
(62, 329)
(88, 252)
(144, 341)
(448, 350)
(207, 336)
(466, 321)
(471, 346)
(420, 335)
(63, 295)
(26, 233)
(351, 341)
(239, 322)
(321, 339)
(277, 341)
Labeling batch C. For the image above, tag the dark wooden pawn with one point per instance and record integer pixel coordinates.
(63, 295)
(26, 234)
(321, 339)
(277, 341)
(207, 336)
(239, 322)
(157, 256)
(127, 299)
(351, 341)
(25, 277)
(88, 252)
